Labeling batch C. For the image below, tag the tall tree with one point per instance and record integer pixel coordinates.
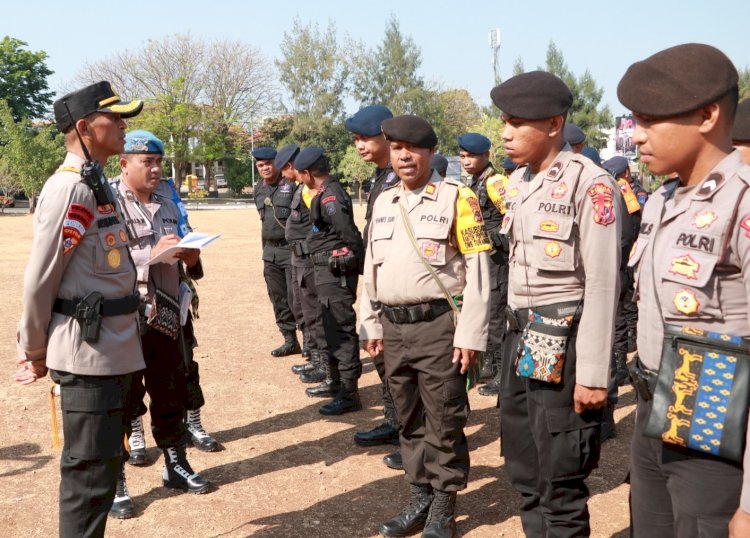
(491, 126)
(313, 70)
(29, 154)
(389, 74)
(585, 111)
(180, 77)
(23, 79)
(458, 112)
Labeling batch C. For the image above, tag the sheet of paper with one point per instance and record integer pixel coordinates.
(191, 240)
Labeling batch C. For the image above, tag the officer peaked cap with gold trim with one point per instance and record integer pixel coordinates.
(98, 97)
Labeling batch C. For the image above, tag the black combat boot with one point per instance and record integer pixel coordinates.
(199, 438)
(179, 475)
(492, 388)
(289, 347)
(346, 401)
(622, 375)
(384, 434)
(441, 522)
(487, 364)
(122, 508)
(609, 430)
(137, 442)
(332, 382)
(305, 347)
(394, 461)
(318, 373)
(311, 364)
(413, 517)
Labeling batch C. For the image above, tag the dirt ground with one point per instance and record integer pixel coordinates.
(284, 470)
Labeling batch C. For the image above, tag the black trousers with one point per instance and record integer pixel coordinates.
(95, 420)
(431, 402)
(549, 449)
(164, 380)
(306, 293)
(619, 344)
(279, 285)
(389, 410)
(340, 322)
(676, 492)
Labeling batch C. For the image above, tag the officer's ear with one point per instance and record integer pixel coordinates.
(123, 162)
(555, 125)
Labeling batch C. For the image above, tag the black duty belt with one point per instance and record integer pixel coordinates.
(281, 243)
(518, 319)
(416, 313)
(110, 307)
(321, 258)
(299, 248)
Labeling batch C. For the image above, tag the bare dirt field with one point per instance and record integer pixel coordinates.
(284, 470)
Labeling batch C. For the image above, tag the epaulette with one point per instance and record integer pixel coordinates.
(69, 169)
(744, 174)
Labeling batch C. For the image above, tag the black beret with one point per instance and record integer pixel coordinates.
(439, 163)
(264, 153)
(307, 157)
(741, 130)
(285, 154)
(411, 129)
(532, 96)
(677, 80)
(616, 165)
(98, 97)
(367, 121)
(508, 164)
(474, 143)
(573, 134)
(592, 154)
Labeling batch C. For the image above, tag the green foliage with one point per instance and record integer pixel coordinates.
(23, 79)
(458, 112)
(388, 75)
(313, 70)
(518, 66)
(492, 128)
(353, 168)
(744, 83)
(238, 173)
(587, 96)
(28, 154)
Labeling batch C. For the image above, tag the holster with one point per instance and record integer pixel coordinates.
(88, 314)
(499, 241)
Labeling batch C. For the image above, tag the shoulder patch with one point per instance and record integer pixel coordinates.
(77, 220)
(328, 199)
(602, 199)
(470, 231)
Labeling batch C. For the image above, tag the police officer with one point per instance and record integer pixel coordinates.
(273, 197)
(489, 186)
(691, 260)
(152, 220)
(80, 306)
(198, 436)
(303, 277)
(564, 234)
(741, 130)
(427, 248)
(440, 164)
(508, 166)
(372, 146)
(337, 253)
(575, 137)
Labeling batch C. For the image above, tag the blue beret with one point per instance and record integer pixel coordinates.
(140, 141)
(508, 164)
(307, 157)
(474, 143)
(286, 154)
(264, 154)
(439, 163)
(366, 121)
(592, 154)
(616, 165)
(573, 134)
